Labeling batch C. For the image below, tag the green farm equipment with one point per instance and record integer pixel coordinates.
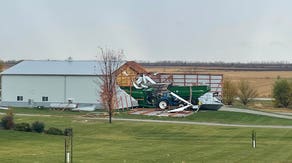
(161, 95)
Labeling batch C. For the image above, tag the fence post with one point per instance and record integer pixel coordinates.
(253, 139)
(68, 145)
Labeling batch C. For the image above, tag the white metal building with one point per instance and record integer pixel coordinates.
(41, 83)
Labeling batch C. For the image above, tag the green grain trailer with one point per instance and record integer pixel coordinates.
(152, 96)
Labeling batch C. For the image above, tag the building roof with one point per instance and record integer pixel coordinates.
(134, 66)
(54, 67)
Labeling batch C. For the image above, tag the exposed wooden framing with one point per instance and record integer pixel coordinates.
(128, 73)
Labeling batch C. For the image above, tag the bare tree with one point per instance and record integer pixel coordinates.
(111, 60)
(245, 92)
(1, 65)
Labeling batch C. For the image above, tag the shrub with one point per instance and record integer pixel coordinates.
(38, 126)
(245, 92)
(7, 121)
(282, 93)
(22, 127)
(229, 92)
(54, 131)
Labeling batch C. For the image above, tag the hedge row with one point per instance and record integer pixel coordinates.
(38, 127)
(7, 122)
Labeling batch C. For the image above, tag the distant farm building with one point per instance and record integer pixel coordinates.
(42, 83)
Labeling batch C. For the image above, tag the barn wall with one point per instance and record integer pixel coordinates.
(32, 87)
(82, 89)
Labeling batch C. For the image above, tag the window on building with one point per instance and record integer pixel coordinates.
(45, 98)
(19, 98)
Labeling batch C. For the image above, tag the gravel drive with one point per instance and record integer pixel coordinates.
(201, 123)
(277, 115)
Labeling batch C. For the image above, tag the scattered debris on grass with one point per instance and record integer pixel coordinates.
(157, 112)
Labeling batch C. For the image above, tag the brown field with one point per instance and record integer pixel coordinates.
(261, 80)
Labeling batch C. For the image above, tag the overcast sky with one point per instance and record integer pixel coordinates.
(149, 30)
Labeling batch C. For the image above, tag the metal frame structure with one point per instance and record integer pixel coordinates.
(214, 81)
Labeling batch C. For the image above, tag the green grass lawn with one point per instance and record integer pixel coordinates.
(202, 116)
(98, 141)
(218, 117)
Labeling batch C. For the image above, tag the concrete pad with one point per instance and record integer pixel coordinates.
(161, 113)
(153, 113)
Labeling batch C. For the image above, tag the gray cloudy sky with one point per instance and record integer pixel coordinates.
(149, 30)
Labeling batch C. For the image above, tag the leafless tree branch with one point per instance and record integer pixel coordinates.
(111, 61)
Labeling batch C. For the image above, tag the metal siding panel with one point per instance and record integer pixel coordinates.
(203, 76)
(216, 77)
(33, 87)
(4, 87)
(191, 76)
(83, 89)
(178, 80)
(178, 76)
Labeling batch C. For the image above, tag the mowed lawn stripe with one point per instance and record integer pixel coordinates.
(98, 141)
